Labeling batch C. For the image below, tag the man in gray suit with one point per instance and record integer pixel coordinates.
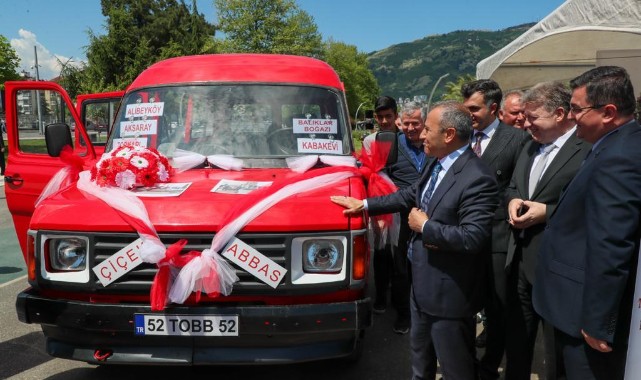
(451, 214)
(546, 165)
(499, 146)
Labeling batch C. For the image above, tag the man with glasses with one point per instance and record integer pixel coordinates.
(586, 271)
(546, 165)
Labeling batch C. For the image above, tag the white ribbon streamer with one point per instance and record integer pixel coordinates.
(226, 162)
(301, 164)
(190, 277)
(55, 184)
(152, 249)
(184, 160)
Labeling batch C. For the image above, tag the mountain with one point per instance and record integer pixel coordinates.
(412, 68)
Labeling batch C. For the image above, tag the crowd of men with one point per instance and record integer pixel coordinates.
(525, 206)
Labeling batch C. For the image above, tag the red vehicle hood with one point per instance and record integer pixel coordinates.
(200, 210)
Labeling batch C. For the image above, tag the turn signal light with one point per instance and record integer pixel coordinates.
(31, 258)
(360, 258)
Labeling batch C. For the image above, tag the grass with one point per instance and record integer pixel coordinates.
(32, 146)
(357, 138)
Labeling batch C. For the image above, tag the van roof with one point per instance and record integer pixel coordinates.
(221, 68)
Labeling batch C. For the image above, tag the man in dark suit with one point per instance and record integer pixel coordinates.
(546, 165)
(451, 213)
(587, 265)
(406, 162)
(499, 146)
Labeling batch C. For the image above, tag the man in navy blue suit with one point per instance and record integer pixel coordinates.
(587, 265)
(452, 206)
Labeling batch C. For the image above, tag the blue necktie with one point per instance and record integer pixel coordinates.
(425, 200)
(430, 186)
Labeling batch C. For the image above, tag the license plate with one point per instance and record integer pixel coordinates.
(186, 325)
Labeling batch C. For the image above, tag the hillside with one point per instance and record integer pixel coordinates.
(412, 68)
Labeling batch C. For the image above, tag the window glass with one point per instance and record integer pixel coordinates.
(36, 110)
(98, 116)
(246, 121)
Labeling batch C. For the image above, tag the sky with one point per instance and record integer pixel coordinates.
(59, 28)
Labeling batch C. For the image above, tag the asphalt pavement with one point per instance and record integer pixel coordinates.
(12, 266)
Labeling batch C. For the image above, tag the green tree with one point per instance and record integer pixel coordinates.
(9, 62)
(140, 33)
(267, 26)
(352, 67)
(72, 78)
(453, 89)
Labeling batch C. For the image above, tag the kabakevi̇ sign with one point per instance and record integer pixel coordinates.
(319, 146)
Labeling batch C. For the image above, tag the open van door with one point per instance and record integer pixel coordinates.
(32, 106)
(97, 113)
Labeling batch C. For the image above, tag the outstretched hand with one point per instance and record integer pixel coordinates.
(352, 205)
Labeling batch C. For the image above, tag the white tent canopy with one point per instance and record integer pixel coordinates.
(566, 43)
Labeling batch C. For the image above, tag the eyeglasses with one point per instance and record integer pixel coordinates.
(578, 110)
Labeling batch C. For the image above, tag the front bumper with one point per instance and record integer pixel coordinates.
(267, 334)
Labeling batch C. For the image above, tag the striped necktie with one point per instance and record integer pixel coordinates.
(427, 195)
(425, 201)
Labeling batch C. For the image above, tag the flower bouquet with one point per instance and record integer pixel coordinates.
(129, 166)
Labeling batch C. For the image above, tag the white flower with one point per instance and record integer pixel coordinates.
(126, 179)
(163, 174)
(139, 162)
(126, 153)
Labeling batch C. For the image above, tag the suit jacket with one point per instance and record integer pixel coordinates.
(447, 270)
(501, 155)
(403, 171)
(588, 258)
(559, 173)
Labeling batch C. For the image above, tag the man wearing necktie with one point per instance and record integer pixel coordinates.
(499, 146)
(584, 282)
(545, 166)
(452, 231)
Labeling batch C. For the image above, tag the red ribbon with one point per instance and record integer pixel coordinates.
(373, 163)
(161, 284)
(75, 163)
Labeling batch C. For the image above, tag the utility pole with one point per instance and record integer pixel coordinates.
(429, 101)
(40, 126)
(356, 115)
